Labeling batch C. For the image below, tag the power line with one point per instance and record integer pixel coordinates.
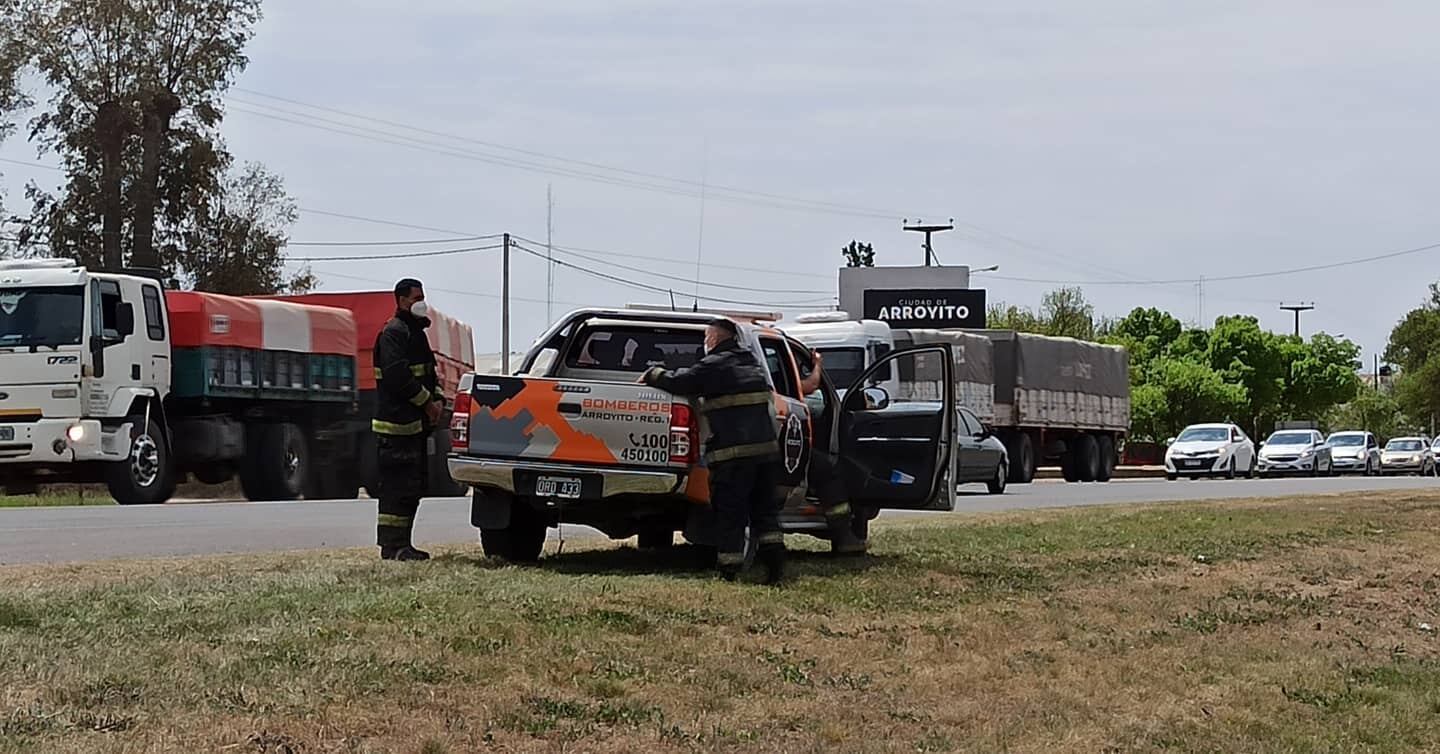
(1231, 278)
(36, 165)
(664, 260)
(401, 255)
(677, 278)
(475, 294)
(658, 289)
(377, 221)
(850, 208)
(415, 242)
(423, 145)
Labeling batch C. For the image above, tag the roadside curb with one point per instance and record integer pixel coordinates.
(1121, 472)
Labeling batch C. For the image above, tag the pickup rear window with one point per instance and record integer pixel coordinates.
(617, 349)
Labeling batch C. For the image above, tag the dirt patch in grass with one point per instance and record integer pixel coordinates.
(1275, 626)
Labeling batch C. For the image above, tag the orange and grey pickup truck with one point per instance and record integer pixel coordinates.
(572, 437)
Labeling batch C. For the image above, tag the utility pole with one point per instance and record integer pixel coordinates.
(505, 308)
(1297, 309)
(928, 230)
(549, 255)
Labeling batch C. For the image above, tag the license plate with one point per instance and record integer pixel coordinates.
(7, 434)
(564, 487)
(1194, 464)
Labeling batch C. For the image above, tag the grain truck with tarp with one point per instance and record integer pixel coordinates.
(107, 377)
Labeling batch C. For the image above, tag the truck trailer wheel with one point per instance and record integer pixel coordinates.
(520, 542)
(277, 460)
(1087, 458)
(148, 476)
(1022, 458)
(1107, 458)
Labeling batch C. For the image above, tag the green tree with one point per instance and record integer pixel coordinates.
(1370, 409)
(134, 118)
(238, 248)
(1415, 340)
(1246, 355)
(1147, 334)
(1002, 316)
(858, 254)
(1178, 392)
(1322, 375)
(1066, 313)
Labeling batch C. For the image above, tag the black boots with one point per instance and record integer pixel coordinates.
(773, 558)
(843, 540)
(403, 553)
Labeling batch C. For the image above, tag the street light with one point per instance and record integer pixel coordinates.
(991, 268)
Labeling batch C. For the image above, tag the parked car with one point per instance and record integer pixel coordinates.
(1295, 451)
(1355, 452)
(1407, 455)
(982, 455)
(1210, 450)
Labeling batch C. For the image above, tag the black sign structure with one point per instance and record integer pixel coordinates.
(935, 308)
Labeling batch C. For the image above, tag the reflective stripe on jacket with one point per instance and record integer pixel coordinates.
(405, 377)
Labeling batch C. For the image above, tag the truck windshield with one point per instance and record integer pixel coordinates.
(626, 349)
(42, 316)
(844, 365)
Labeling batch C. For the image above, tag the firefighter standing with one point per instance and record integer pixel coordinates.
(742, 450)
(824, 471)
(408, 407)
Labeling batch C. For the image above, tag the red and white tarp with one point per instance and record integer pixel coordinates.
(210, 319)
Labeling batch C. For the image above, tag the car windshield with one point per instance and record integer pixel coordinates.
(1204, 434)
(1347, 441)
(844, 365)
(1290, 438)
(1408, 445)
(42, 316)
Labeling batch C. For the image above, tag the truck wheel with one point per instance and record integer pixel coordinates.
(1070, 462)
(1022, 458)
(520, 542)
(1107, 458)
(1087, 458)
(277, 460)
(147, 477)
(656, 538)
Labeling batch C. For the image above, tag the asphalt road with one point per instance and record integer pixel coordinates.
(62, 534)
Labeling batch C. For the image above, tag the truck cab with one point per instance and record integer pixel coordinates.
(84, 363)
(848, 346)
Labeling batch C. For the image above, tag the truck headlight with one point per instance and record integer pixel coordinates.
(76, 433)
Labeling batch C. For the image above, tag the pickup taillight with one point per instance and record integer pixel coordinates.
(460, 424)
(684, 440)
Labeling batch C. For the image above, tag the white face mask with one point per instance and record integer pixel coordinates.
(419, 310)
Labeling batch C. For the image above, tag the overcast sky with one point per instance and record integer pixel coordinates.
(1098, 141)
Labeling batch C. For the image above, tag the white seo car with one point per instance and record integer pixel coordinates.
(1210, 450)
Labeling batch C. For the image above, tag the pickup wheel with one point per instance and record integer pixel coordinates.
(520, 542)
(148, 475)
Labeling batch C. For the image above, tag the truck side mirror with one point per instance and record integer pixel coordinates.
(125, 320)
(876, 399)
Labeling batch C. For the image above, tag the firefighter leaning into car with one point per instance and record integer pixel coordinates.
(407, 408)
(742, 451)
(824, 473)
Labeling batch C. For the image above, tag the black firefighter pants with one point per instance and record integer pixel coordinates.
(743, 494)
(829, 488)
(402, 480)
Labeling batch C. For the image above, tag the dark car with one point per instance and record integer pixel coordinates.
(982, 456)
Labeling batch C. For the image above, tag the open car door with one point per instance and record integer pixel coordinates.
(897, 451)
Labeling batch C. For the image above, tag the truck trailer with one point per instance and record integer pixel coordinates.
(1059, 400)
(108, 378)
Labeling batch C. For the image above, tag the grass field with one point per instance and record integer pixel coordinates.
(49, 499)
(1265, 626)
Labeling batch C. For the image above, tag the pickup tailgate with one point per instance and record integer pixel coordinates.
(576, 422)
